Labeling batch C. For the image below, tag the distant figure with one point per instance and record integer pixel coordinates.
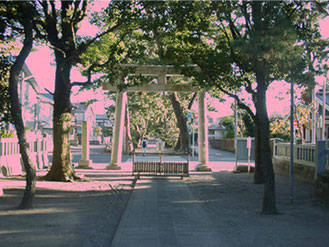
(144, 145)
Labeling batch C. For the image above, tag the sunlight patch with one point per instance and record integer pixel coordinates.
(35, 211)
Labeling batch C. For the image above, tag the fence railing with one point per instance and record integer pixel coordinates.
(38, 148)
(303, 153)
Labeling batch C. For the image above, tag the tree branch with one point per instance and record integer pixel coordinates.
(235, 58)
(84, 46)
(239, 102)
(57, 49)
(50, 21)
(37, 30)
(86, 83)
(98, 66)
(191, 101)
(232, 27)
(49, 91)
(78, 14)
(245, 14)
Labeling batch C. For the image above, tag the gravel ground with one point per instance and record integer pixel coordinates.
(234, 203)
(65, 214)
(88, 213)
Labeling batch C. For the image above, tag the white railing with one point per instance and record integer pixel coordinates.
(303, 153)
(38, 148)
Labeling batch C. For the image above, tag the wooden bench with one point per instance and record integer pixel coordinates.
(161, 167)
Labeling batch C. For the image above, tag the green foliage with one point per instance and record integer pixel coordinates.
(107, 131)
(228, 123)
(88, 102)
(7, 134)
(248, 125)
(98, 131)
(6, 48)
(152, 115)
(280, 128)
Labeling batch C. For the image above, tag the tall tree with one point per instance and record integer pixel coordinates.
(58, 25)
(247, 46)
(18, 18)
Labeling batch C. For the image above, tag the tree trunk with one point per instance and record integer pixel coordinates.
(269, 201)
(181, 122)
(178, 144)
(61, 169)
(16, 112)
(258, 173)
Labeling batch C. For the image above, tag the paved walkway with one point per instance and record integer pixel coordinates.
(160, 213)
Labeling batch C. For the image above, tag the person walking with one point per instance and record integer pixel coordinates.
(144, 145)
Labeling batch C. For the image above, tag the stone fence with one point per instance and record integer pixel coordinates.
(10, 157)
(304, 160)
(310, 163)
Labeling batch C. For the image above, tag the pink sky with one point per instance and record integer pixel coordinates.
(40, 62)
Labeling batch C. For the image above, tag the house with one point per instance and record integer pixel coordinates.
(28, 91)
(36, 111)
(310, 128)
(103, 121)
(319, 101)
(216, 132)
(46, 102)
(106, 125)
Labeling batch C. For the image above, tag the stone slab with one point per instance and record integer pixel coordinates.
(85, 164)
(163, 212)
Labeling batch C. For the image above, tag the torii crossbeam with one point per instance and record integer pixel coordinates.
(161, 72)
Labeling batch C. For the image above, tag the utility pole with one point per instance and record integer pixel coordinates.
(314, 113)
(236, 135)
(324, 111)
(292, 132)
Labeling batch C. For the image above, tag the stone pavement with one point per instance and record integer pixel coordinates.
(160, 213)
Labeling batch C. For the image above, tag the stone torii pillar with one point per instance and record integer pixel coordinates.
(203, 133)
(116, 154)
(85, 162)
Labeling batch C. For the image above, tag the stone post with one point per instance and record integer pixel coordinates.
(203, 133)
(85, 162)
(38, 150)
(116, 154)
(321, 158)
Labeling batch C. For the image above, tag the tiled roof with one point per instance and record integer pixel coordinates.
(79, 107)
(47, 96)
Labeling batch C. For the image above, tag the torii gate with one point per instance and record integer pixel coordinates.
(161, 72)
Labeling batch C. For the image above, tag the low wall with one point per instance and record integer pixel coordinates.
(228, 145)
(304, 172)
(215, 143)
(321, 188)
